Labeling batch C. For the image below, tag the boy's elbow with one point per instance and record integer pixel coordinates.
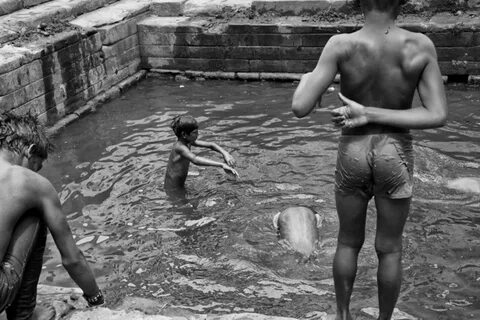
(298, 111)
(441, 119)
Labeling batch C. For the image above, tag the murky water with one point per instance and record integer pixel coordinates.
(109, 169)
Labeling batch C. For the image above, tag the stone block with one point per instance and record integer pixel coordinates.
(31, 3)
(167, 8)
(263, 40)
(116, 63)
(459, 53)
(92, 42)
(10, 59)
(120, 47)
(211, 8)
(7, 6)
(7, 34)
(450, 39)
(183, 52)
(457, 67)
(296, 8)
(171, 25)
(20, 77)
(22, 95)
(229, 65)
(240, 52)
(253, 28)
(248, 75)
(315, 40)
(111, 14)
(97, 74)
(283, 66)
(35, 106)
(113, 33)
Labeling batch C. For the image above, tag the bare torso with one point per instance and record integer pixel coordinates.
(177, 169)
(15, 201)
(381, 69)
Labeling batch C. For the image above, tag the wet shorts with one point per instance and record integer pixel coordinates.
(376, 164)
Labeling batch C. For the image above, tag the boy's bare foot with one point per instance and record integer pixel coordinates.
(44, 311)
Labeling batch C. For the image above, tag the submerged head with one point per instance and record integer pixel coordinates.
(25, 136)
(299, 227)
(388, 6)
(184, 126)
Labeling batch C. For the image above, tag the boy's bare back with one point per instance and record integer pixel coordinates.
(382, 68)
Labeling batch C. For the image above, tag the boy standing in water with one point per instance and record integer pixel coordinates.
(185, 128)
(381, 66)
(29, 205)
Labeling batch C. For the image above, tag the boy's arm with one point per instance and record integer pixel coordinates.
(215, 147)
(313, 84)
(201, 161)
(432, 113)
(72, 258)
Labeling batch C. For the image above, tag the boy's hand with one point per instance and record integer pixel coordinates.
(351, 115)
(229, 159)
(230, 170)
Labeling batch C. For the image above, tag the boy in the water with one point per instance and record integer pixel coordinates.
(381, 66)
(29, 205)
(185, 128)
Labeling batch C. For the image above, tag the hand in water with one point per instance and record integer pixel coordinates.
(230, 170)
(229, 159)
(351, 115)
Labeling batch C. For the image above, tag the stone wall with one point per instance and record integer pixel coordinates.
(289, 46)
(58, 75)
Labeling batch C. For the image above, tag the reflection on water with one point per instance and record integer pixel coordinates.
(216, 250)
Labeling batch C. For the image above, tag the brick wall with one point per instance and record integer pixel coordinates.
(55, 78)
(183, 44)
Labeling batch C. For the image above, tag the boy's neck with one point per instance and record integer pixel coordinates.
(377, 21)
(10, 157)
(183, 141)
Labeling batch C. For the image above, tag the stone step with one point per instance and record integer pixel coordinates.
(19, 20)
(9, 6)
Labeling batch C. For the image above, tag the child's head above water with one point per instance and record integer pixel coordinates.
(183, 124)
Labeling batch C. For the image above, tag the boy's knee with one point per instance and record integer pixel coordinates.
(351, 242)
(383, 248)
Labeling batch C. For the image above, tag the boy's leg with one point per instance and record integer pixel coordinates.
(25, 253)
(351, 211)
(391, 217)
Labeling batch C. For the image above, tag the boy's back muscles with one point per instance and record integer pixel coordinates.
(383, 70)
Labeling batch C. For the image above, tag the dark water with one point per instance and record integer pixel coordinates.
(109, 169)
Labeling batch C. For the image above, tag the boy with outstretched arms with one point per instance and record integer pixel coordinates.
(185, 128)
(29, 205)
(381, 66)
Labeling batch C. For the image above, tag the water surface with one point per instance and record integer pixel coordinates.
(109, 167)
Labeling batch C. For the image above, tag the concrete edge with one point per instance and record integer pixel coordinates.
(270, 76)
(92, 105)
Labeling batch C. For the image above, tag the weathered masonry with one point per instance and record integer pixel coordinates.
(112, 44)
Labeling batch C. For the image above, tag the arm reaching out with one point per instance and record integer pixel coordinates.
(72, 258)
(201, 161)
(215, 147)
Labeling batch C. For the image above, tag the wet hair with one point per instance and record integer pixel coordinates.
(183, 123)
(392, 6)
(18, 132)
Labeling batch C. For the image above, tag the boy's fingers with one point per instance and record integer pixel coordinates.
(326, 109)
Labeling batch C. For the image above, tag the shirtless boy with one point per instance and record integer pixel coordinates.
(29, 205)
(185, 128)
(380, 66)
